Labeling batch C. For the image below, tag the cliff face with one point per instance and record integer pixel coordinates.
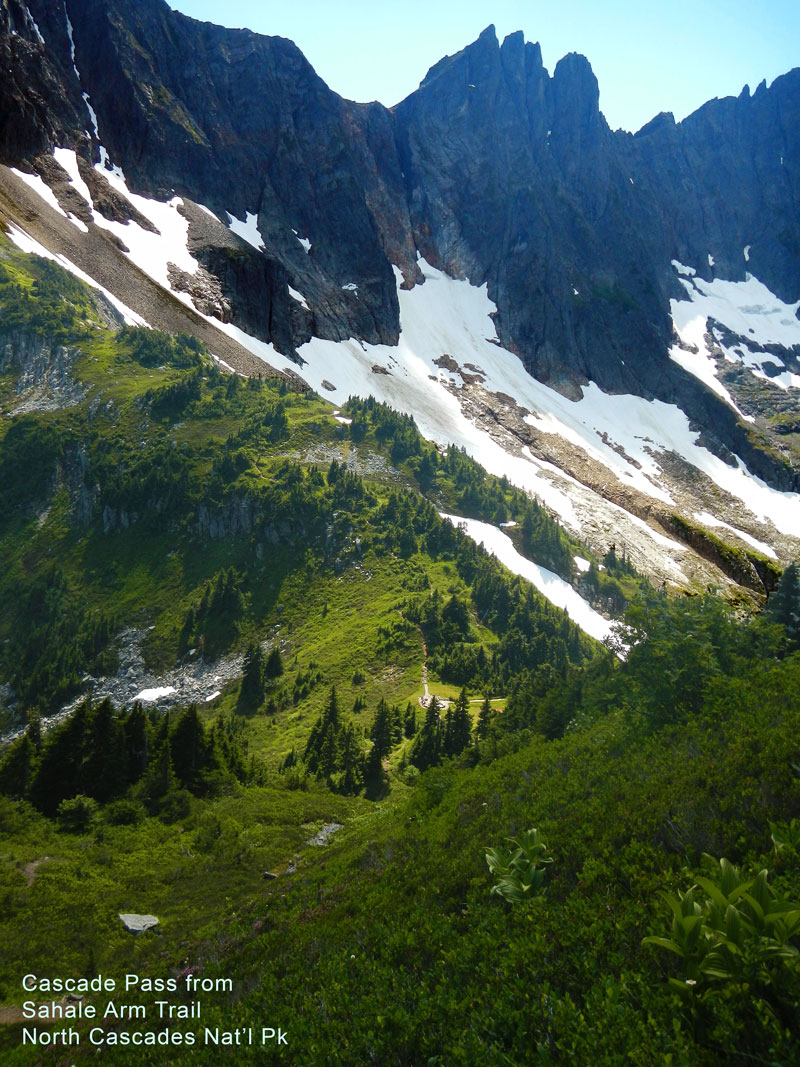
(492, 170)
(39, 94)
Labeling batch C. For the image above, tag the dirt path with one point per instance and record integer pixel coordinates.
(425, 699)
(30, 869)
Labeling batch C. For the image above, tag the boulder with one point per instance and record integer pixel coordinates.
(137, 924)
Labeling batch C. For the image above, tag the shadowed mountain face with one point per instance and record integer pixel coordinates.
(493, 170)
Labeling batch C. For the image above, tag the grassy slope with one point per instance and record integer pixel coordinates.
(385, 947)
(388, 948)
(330, 620)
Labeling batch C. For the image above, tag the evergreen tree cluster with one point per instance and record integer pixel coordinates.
(334, 751)
(171, 401)
(30, 453)
(53, 641)
(55, 306)
(441, 737)
(211, 624)
(105, 755)
(157, 487)
(783, 606)
(533, 633)
(389, 427)
(152, 348)
(543, 540)
(671, 654)
(259, 674)
(463, 484)
(266, 426)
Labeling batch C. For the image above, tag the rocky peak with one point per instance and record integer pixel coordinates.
(492, 170)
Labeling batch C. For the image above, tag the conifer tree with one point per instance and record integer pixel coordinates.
(374, 779)
(329, 752)
(34, 731)
(427, 748)
(331, 716)
(58, 771)
(484, 719)
(16, 768)
(784, 604)
(188, 748)
(159, 781)
(290, 760)
(136, 742)
(104, 769)
(397, 725)
(322, 751)
(382, 729)
(410, 721)
(462, 726)
(351, 761)
(448, 735)
(251, 695)
(274, 664)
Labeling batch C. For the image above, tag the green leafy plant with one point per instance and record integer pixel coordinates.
(520, 872)
(734, 936)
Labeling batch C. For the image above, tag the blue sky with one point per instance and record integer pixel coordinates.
(648, 57)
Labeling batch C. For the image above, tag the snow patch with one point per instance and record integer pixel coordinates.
(746, 253)
(304, 241)
(263, 349)
(222, 363)
(711, 520)
(688, 272)
(351, 287)
(301, 300)
(68, 160)
(624, 433)
(32, 20)
(557, 591)
(152, 252)
(208, 211)
(107, 167)
(71, 41)
(693, 355)
(41, 188)
(247, 230)
(442, 316)
(149, 696)
(582, 564)
(92, 115)
(749, 310)
(786, 380)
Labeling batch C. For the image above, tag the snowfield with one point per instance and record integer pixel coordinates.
(557, 591)
(750, 311)
(449, 317)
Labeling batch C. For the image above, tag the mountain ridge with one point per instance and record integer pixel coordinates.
(493, 171)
